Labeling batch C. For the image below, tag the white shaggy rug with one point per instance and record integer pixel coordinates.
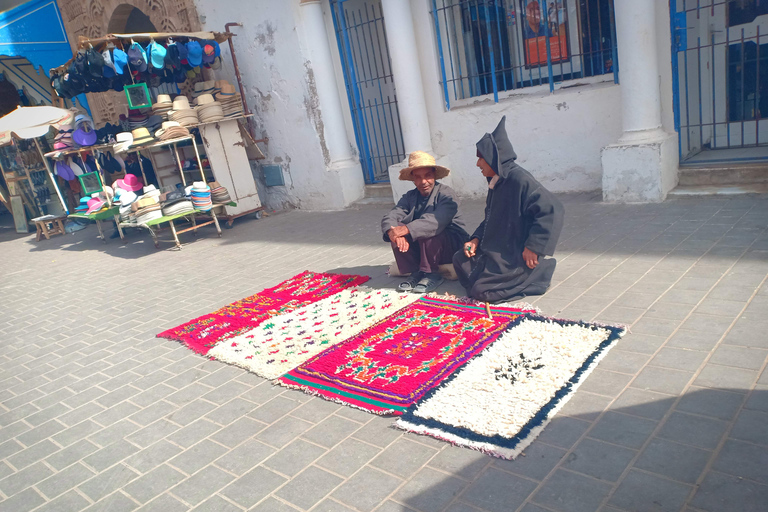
(502, 399)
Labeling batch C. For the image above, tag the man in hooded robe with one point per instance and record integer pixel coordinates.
(425, 228)
(505, 256)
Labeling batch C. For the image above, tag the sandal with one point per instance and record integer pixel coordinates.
(428, 283)
(410, 283)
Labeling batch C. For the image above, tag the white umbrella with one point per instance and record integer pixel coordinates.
(33, 122)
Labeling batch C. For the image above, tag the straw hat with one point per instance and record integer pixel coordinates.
(205, 99)
(163, 98)
(141, 136)
(420, 160)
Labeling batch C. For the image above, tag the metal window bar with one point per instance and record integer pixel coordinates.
(492, 46)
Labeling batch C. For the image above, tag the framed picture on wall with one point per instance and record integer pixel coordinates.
(138, 96)
(540, 24)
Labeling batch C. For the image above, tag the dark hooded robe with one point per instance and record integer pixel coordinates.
(519, 213)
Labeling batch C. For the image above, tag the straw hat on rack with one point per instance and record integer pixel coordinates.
(141, 136)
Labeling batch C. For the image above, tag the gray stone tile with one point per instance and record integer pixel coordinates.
(245, 457)
(646, 404)
(272, 505)
(331, 506)
(217, 504)
(331, 431)
(378, 431)
(728, 377)
(193, 433)
(117, 502)
(679, 359)
(642, 492)
(460, 462)
(673, 460)
(27, 477)
(294, 458)
(725, 493)
(33, 454)
(715, 325)
(110, 455)
(231, 411)
(602, 382)
(152, 413)
(315, 410)
(273, 410)
(71, 454)
(309, 487)
(751, 426)
(662, 380)
(76, 433)
(366, 489)
(64, 480)
(599, 460)
(562, 431)
(152, 456)
(719, 307)
(196, 457)
(114, 414)
(107, 482)
(283, 431)
(430, 490)
(226, 392)
(693, 340)
(571, 492)
(263, 393)
(37, 434)
(164, 503)
(119, 430)
(403, 457)
(623, 361)
(741, 357)
(758, 400)
(536, 461)
(710, 402)
(623, 429)
(153, 433)
(743, 460)
(69, 502)
(153, 483)
(22, 502)
(697, 431)
(201, 485)
(238, 432)
(585, 406)
(252, 487)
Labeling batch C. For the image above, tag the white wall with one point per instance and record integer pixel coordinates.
(557, 137)
(278, 80)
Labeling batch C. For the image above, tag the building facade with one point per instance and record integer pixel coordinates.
(611, 95)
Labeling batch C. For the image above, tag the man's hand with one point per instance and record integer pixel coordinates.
(470, 248)
(531, 258)
(398, 231)
(402, 244)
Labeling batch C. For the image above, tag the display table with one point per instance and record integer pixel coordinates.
(176, 232)
(110, 213)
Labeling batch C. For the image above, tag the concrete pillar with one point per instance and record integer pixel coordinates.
(334, 131)
(407, 74)
(642, 165)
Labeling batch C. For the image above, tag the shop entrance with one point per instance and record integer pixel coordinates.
(720, 80)
(362, 39)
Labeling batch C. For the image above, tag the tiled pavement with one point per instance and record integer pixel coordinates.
(98, 414)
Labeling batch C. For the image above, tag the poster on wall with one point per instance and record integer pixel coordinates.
(538, 26)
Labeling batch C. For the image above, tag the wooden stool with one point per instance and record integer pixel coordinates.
(48, 226)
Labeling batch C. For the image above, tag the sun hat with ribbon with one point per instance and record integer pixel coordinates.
(95, 205)
(141, 136)
(130, 183)
(421, 160)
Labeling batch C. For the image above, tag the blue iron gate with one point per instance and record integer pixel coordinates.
(720, 79)
(362, 40)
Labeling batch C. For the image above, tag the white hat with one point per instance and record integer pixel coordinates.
(163, 98)
(204, 99)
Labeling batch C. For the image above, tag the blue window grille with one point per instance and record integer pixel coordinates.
(492, 46)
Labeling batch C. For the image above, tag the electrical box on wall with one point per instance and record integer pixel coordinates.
(273, 175)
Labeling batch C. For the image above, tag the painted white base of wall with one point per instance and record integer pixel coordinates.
(641, 172)
(399, 187)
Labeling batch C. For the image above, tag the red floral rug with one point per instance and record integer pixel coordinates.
(387, 367)
(202, 333)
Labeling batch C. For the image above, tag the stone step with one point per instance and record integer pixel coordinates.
(713, 190)
(723, 175)
(378, 190)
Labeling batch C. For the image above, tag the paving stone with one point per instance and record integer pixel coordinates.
(646, 404)
(190, 412)
(741, 357)
(238, 432)
(366, 489)
(585, 406)
(606, 383)
(710, 402)
(116, 502)
(152, 413)
(315, 410)
(217, 504)
(69, 502)
(697, 431)
(39, 433)
(76, 433)
(294, 458)
(283, 431)
(193, 433)
(252, 486)
(152, 456)
(331, 506)
(153, 433)
(164, 503)
(662, 380)
(119, 430)
(429, 491)
(201, 485)
(679, 359)
(693, 340)
(22, 502)
(32, 454)
(562, 431)
(110, 455)
(349, 456)
(403, 457)
(535, 462)
(153, 483)
(623, 429)
(728, 377)
(27, 477)
(273, 410)
(245, 457)
(642, 492)
(724, 493)
(107, 482)
(331, 431)
(673, 460)
(226, 392)
(743, 460)
(231, 411)
(623, 361)
(309, 487)
(570, 492)
(272, 505)
(378, 431)
(198, 456)
(751, 426)
(599, 460)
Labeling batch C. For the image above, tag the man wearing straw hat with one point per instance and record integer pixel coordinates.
(425, 229)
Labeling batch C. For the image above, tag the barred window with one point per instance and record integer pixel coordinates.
(488, 46)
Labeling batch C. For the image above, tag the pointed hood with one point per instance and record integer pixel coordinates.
(496, 149)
